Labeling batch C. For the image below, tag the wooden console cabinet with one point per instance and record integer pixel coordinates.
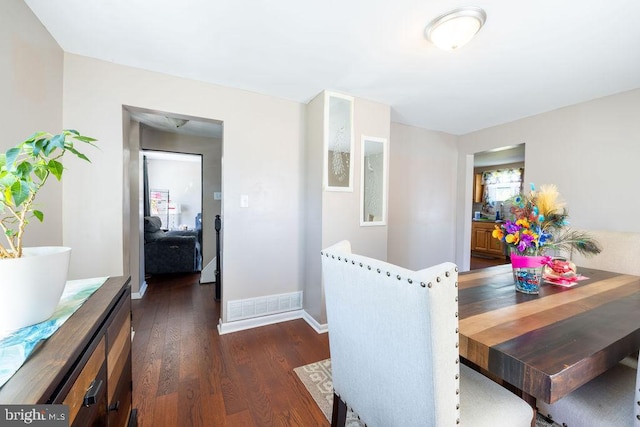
(86, 364)
(482, 242)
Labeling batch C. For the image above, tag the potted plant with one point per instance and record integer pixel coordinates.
(31, 279)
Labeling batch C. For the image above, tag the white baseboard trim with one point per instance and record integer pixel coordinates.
(140, 293)
(319, 328)
(208, 273)
(256, 322)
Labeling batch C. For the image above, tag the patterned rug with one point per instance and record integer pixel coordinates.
(316, 377)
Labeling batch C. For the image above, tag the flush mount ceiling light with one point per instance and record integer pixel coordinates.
(454, 29)
(176, 122)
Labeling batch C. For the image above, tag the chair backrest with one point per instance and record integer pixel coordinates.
(620, 252)
(393, 337)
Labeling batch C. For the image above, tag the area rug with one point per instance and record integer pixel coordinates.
(316, 377)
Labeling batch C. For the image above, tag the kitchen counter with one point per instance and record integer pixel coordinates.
(488, 220)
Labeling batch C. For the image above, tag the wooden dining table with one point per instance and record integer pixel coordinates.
(547, 345)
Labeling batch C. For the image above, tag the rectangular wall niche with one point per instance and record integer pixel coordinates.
(338, 142)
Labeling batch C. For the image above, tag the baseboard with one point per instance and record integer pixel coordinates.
(318, 327)
(140, 294)
(208, 273)
(256, 322)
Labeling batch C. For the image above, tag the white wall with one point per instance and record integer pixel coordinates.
(589, 150)
(422, 197)
(183, 179)
(262, 243)
(31, 88)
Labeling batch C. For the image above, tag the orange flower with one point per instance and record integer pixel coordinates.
(512, 238)
(497, 233)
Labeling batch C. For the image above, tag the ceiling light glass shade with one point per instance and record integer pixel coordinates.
(176, 122)
(456, 28)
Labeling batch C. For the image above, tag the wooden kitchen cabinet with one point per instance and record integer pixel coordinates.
(86, 364)
(483, 243)
(478, 188)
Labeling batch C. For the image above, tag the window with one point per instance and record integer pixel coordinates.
(502, 192)
(501, 185)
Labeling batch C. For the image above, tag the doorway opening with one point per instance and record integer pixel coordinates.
(183, 204)
(498, 175)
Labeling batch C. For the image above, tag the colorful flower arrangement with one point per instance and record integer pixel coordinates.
(540, 225)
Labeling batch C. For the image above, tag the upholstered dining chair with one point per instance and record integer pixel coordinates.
(612, 399)
(620, 251)
(393, 338)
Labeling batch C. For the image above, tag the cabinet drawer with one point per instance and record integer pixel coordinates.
(118, 347)
(120, 404)
(93, 375)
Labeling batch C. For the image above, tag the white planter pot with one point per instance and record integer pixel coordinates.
(31, 286)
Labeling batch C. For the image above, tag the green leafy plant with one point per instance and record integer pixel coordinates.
(24, 169)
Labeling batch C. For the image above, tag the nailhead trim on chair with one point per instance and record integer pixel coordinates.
(422, 284)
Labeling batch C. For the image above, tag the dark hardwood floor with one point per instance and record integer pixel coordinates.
(480, 262)
(186, 374)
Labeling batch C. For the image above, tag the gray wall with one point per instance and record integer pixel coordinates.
(422, 201)
(262, 243)
(332, 216)
(589, 150)
(31, 88)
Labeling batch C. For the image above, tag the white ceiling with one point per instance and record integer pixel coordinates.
(499, 156)
(171, 156)
(195, 127)
(530, 57)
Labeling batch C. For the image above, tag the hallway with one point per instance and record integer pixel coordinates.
(186, 374)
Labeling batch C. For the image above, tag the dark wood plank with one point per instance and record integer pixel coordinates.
(184, 370)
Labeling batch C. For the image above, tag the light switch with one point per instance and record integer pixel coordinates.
(244, 200)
